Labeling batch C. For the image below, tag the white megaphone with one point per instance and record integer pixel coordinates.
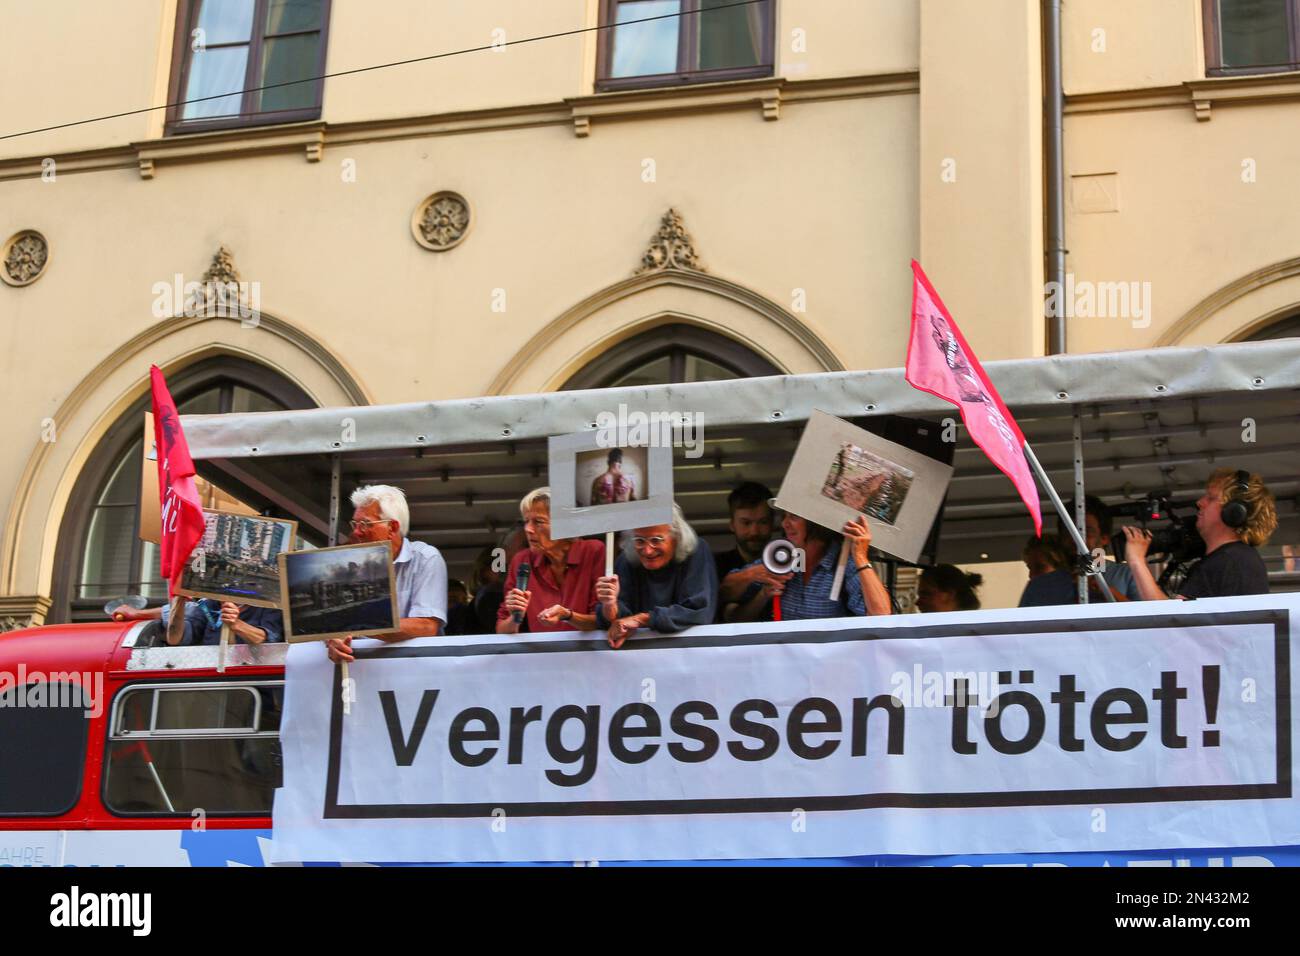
(780, 557)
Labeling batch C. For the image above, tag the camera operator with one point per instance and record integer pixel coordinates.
(1098, 525)
(1234, 516)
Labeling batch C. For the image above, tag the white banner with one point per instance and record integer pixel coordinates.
(1138, 726)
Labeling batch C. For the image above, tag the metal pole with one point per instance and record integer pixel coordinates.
(1080, 506)
(1054, 149)
(336, 473)
(1065, 518)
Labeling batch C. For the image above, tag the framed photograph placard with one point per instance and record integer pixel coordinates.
(238, 559)
(596, 488)
(840, 471)
(338, 592)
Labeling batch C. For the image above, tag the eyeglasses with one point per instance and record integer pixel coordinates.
(358, 525)
(656, 542)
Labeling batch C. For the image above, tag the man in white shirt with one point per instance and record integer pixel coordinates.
(420, 574)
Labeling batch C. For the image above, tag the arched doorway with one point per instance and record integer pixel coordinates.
(99, 553)
(672, 354)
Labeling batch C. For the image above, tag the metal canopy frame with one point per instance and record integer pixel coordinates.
(1146, 419)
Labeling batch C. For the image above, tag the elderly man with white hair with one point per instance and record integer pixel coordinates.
(420, 574)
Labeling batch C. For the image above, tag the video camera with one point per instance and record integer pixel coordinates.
(1178, 539)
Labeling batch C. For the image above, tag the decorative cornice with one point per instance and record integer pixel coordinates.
(1202, 95)
(1221, 298)
(765, 95)
(309, 138)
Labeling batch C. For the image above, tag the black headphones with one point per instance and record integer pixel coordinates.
(1235, 512)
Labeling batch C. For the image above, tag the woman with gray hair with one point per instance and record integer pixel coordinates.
(561, 585)
(664, 579)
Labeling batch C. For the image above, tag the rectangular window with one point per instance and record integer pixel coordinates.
(1251, 36)
(246, 62)
(647, 43)
(174, 748)
(42, 748)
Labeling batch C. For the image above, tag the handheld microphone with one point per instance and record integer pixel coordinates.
(521, 582)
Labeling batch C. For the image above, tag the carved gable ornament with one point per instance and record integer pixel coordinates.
(671, 248)
(219, 293)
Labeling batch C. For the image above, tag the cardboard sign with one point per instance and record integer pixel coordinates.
(596, 488)
(238, 559)
(345, 591)
(840, 471)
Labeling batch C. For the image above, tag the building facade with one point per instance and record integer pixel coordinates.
(513, 196)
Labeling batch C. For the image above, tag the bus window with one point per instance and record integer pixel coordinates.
(43, 729)
(174, 748)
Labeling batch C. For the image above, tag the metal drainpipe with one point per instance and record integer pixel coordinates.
(1054, 119)
(1054, 148)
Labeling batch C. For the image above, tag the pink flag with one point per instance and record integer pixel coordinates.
(940, 362)
(182, 512)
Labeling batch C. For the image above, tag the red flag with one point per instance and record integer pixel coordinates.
(182, 512)
(940, 362)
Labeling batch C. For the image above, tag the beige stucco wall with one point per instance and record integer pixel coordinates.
(1125, 45)
(64, 60)
(1188, 222)
(981, 170)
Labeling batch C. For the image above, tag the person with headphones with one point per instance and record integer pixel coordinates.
(1234, 517)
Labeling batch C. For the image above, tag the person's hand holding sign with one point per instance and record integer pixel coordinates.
(242, 629)
(339, 650)
(607, 595)
(858, 534)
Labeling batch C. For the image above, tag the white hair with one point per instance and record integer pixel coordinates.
(391, 501)
(683, 534)
(538, 496)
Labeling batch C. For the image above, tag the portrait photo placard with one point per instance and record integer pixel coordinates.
(596, 488)
(343, 591)
(840, 471)
(237, 559)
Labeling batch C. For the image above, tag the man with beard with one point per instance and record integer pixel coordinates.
(751, 524)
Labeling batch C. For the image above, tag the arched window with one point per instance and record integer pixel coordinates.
(100, 554)
(671, 354)
(1288, 328)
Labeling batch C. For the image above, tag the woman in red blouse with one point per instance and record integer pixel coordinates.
(561, 593)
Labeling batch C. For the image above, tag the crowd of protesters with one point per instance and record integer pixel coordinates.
(667, 579)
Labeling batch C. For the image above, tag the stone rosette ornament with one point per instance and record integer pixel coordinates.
(441, 221)
(23, 258)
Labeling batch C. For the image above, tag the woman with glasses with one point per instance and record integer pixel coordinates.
(664, 579)
(561, 587)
